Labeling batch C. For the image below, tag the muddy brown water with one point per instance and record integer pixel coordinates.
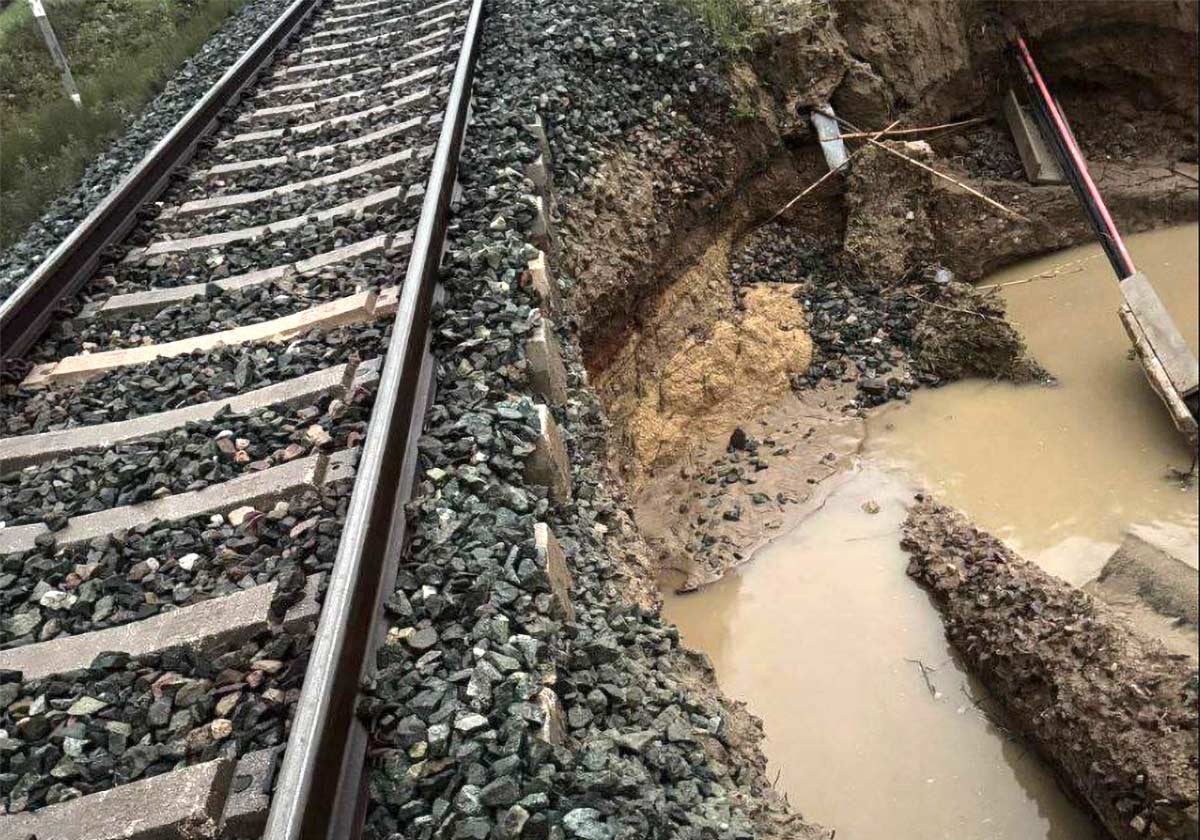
(871, 723)
(1059, 473)
(824, 635)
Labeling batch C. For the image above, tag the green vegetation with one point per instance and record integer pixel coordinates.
(120, 51)
(734, 22)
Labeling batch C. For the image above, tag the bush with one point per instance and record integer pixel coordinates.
(120, 51)
(733, 22)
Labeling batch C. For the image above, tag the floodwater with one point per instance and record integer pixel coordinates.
(830, 642)
(1059, 473)
(824, 635)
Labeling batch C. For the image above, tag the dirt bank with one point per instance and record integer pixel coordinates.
(1115, 714)
(750, 150)
(676, 262)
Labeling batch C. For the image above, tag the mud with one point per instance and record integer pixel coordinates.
(713, 510)
(737, 379)
(1114, 714)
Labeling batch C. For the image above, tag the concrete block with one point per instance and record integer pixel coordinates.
(537, 130)
(185, 804)
(214, 240)
(541, 230)
(544, 284)
(549, 464)
(156, 299)
(1037, 159)
(539, 172)
(215, 623)
(364, 4)
(19, 452)
(296, 107)
(436, 7)
(1160, 569)
(341, 47)
(386, 163)
(305, 128)
(256, 490)
(554, 562)
(332, 22)
(354, 309)
(411, 124)
(249, 798)
(554, 722)
(546, 372)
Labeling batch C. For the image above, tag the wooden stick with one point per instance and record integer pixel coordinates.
(937, 305)
(1059, 270)
(858, 135)
(822, 179)
(956, 183)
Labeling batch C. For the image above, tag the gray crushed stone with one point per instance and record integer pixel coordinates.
(476, 635)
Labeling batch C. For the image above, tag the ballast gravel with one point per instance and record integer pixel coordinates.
(461, 711)
(183, 380)
(215, 311)
(50, 591)
(192, 458)
(125, 719)
(268, 251)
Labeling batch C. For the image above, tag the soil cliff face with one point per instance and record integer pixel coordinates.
(941, 58)
(750, 148)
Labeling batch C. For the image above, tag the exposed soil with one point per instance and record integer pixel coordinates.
(736, 348)
(711, 512)
(1116, 715)
(684, 327)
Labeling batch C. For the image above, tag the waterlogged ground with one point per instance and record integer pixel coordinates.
(871, 724)
(831, 644)
(1059, 473)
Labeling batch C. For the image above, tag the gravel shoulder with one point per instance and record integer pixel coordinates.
(494, 713)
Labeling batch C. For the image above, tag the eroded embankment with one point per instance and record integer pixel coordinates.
(734, 350)
(683, 272)
(1114, 714)
(527, 688)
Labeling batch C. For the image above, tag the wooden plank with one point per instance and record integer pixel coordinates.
(1163, 336)
(1181, 416)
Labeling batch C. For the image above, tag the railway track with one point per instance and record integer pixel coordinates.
(217, 383)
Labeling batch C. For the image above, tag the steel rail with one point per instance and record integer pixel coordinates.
(28, 311)
(320, 792)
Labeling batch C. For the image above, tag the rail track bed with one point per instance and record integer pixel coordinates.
(179, 447)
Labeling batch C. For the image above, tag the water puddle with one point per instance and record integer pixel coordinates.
(1060, 473)
(831, 643)
(872, 725)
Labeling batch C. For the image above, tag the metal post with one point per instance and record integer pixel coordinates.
(43, 22)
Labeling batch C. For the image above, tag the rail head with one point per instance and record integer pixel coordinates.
(317, 790)
(26, 313)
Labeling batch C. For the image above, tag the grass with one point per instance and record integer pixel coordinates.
(121, 53)
(734, 23)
